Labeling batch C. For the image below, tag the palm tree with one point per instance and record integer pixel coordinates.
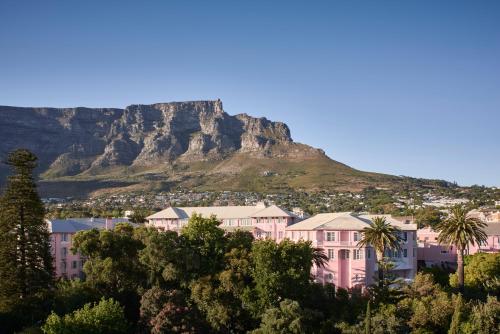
(381, 236)
(460, 230)
(319, 257)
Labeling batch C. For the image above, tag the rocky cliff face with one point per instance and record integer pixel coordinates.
(73, 141)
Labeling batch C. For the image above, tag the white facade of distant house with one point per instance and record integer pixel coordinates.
(300, 213)
(442, 202)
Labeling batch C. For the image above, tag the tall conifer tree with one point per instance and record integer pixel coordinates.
(25, 256)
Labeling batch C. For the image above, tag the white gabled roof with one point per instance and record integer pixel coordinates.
(272, 211)
(221, 212)
(492, 229)
(344, 221)
(168, 213)
(335, 220)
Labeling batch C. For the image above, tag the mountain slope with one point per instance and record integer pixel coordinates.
(195, 145)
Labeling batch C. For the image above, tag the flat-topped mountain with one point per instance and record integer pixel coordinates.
(154, 147)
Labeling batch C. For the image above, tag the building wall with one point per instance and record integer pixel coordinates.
(350, 266)
(264, 227)
(66, 264)
(432, 253)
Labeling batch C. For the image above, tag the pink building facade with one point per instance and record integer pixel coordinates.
(351, 266)
(431, 253)
(262, 221)
(66, 264)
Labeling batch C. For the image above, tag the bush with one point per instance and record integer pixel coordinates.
(107, 317)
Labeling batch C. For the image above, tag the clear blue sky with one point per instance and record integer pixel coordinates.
(401, 87)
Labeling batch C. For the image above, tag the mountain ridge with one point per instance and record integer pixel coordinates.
(193, 144)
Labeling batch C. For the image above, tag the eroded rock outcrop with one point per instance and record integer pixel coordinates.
(71, 141)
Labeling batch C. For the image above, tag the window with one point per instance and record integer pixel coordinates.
(282, 220)
(345, 254)
(356, 236)
(280, 235)
(444, 251)
(368, 253)
(414, 252)
(82, 262)
(414, 235)
(267, 234)
(331, 254)
(357, 254)
(405, 252)
(74, 264)
(63, 265)
(330, 236)
(293, 235)
(259, 234)
(64, 251)
(405, 236)
(246, 222)
(65, 237)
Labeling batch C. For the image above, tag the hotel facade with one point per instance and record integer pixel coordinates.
(348, 266)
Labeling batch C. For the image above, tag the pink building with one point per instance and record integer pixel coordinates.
(431, 253)
(337, 233)
(67, 264)
(262, 221)
(350, 266)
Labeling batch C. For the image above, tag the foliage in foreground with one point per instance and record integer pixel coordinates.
(106, 317)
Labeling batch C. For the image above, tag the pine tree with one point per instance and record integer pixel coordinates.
(368, 319)
(25, 256)
(457, 316)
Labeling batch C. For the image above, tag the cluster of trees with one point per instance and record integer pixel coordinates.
(139, 280)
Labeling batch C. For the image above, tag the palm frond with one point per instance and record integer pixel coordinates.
(460, 229)
(320, 259)
(381, 236)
